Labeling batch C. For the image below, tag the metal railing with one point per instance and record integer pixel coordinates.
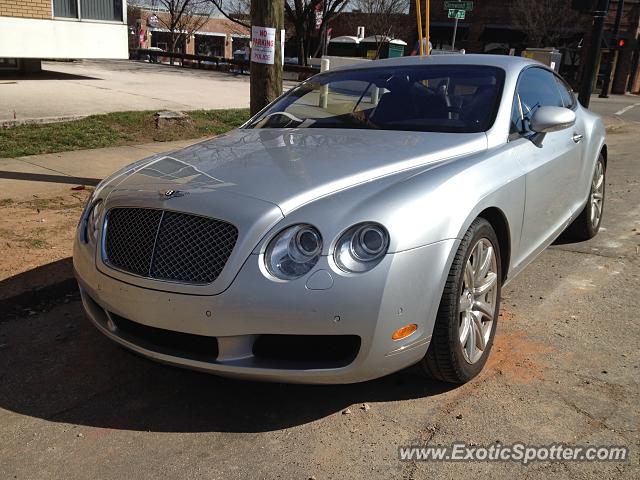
(218, 63)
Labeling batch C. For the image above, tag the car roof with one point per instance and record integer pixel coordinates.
(510, 64)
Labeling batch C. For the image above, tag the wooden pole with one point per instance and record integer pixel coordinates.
(266, 78)
(426, 26)
(419, 16)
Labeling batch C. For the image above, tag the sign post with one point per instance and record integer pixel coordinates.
(455, 30)
(457, 11)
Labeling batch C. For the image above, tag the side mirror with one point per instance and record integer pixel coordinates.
(550, 119)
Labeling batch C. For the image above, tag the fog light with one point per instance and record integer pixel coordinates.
(404, 332)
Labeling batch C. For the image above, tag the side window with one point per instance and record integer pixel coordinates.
(537, 88)
(568, 98)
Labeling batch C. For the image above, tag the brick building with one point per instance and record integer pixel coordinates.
(34, 29)
(217, 36)
(494, 26)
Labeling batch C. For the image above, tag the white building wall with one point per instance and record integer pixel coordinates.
(30, 38)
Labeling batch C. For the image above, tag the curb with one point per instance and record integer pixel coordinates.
(39, 121)
(613, 123)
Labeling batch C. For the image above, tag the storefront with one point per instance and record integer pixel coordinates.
(210, 44)
(161, 38)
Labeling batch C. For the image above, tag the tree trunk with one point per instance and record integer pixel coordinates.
(266, 79)
(172, 45)
(300, 40)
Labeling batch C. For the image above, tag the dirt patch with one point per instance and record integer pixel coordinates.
(39, 231)
(517, 357)
(505, 316)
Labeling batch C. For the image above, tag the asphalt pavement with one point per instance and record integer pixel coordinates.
(565, 368)
(625, 107)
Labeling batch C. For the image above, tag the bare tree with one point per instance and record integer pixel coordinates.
(302, 14)
(382, 17)
(235, 10)
(183, 18)
(545, 22)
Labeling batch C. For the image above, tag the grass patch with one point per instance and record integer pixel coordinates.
(112, 130)
(5, 202)
(22, 240)
(55, 203)
(34, 243)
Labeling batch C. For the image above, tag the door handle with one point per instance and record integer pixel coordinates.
(577, 138)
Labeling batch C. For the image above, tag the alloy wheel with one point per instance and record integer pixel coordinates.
(477, 304)
(597, 195)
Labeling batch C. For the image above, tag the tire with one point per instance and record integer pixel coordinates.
(449, 358)
(587, 224)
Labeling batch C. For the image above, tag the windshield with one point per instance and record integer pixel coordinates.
(431, 98)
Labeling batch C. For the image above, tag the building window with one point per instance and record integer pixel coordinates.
(65, 8)
(109, 10)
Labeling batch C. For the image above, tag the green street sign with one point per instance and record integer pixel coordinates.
(458, 6)
(458, 14)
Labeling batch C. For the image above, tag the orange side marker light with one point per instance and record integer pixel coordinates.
(404, 332)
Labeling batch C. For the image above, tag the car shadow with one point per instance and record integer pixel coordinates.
(56, 366)
(46, 282)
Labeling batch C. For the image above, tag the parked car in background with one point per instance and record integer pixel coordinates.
(364, 222)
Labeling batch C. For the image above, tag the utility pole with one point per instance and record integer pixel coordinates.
(589, 71)
(614, 38)
(267, 23)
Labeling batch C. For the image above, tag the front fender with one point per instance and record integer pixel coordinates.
(427, 205)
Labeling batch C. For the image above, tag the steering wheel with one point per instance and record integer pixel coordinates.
(289, 116)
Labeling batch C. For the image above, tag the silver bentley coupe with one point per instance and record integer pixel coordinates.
(363, 222)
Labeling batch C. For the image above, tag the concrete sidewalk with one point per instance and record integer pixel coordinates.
(23, 178)
(100, 86)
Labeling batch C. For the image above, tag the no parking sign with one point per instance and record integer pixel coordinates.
(263, 45)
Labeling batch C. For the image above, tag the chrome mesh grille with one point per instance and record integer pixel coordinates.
(131, 235)
(168, 245)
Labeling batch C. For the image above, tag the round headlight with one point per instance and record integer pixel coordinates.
(92, 225)
(361, 247)
(293, 252)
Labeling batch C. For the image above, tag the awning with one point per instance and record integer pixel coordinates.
(502, 34)
(211, 34)
(444, 30)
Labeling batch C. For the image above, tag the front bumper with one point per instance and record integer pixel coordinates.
(404, 288)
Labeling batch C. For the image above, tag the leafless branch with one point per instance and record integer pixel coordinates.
(545, 22)
(234, 10)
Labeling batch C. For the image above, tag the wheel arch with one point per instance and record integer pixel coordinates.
(604, 153)
(500, 225)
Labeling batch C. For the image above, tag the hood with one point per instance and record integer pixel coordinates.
(291, 167)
